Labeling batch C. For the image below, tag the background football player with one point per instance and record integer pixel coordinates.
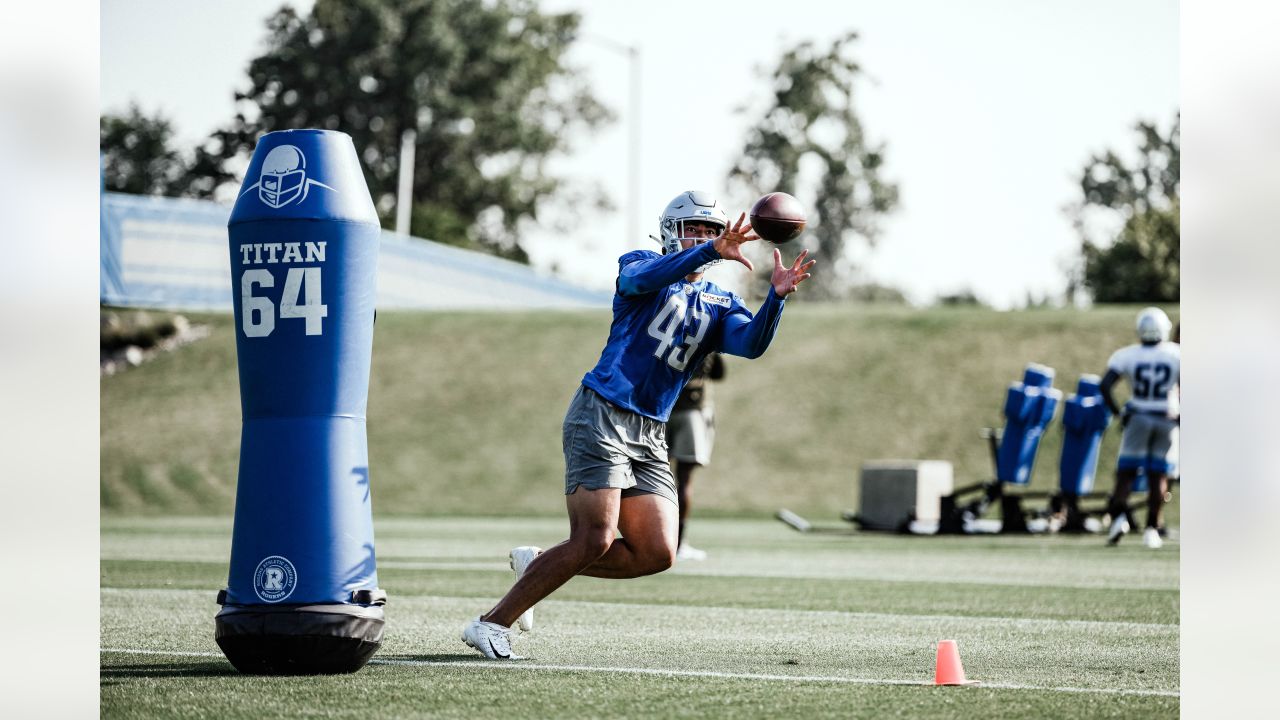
(691, 434)
(1150, 420)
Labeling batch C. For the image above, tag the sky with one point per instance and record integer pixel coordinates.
(989, 109)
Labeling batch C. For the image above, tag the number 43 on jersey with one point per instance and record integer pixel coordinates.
(664, 327)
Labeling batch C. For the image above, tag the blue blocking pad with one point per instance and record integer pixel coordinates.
(304, 251)
(1084, 419)
(1029, 406)
(307, 505)
(302, 593)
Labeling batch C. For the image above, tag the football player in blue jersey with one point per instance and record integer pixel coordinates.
(620, 494)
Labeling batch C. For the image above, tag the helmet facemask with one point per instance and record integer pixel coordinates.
(688, 207)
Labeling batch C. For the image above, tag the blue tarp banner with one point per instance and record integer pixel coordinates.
(170, 253)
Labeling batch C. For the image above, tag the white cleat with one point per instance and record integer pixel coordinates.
(689, 552)
(1119, 527)
(1151, 538)
(520, 559)
(491, 639)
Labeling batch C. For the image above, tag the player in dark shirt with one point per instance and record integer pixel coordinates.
(691, 435)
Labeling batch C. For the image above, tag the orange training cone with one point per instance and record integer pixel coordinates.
(949, 671)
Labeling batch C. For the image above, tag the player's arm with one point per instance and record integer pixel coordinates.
(729, 244)
(786, 279)
(644, 272)
(1108, 382)
(749, 336)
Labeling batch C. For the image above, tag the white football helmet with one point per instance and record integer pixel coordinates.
(1153, 325)
(688, 206)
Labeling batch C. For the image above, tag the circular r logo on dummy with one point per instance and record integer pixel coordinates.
(275, 579)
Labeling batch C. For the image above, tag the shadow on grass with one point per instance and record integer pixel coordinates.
(174, 670)
(381, 659)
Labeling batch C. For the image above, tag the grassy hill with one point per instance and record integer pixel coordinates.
(465, 407)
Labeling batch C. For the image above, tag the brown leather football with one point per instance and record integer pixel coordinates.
(777, 217)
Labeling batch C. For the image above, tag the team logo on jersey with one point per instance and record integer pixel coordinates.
(284, 178)
(275, 579)
(715, 299)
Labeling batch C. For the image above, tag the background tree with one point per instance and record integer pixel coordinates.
(874, 292)
(484, 85)
(1140, 262)
(137, 154)
(810, 143)
(964, 297)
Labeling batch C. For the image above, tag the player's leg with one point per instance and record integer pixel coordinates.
(647, 523)
(1118, 507)
(593, 515)
(1123, 489)
(1158, 487)
(681, 450)
(1155, 500)
(1162, 456)
(691, 447)
(1134, 448)
(649, 517)
(684, 476)
(596, 470)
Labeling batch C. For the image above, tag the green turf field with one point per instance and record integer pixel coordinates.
(464, 417)
(774, 624)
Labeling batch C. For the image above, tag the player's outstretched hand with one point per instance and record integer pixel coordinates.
(786, 279)
(729, 244)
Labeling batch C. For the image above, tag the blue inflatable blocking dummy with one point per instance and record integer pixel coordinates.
(1028, 407)
(1084, 419)
(302, 593)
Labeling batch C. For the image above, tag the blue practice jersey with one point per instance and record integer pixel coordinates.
(663, 326)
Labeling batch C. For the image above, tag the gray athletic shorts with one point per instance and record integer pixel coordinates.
(692, 434)
(608, 447)
(1150, 442)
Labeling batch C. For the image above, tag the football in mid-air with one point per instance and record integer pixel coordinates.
(777, 217)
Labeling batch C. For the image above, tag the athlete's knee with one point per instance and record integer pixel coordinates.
(592, 542)
(664, 559)
(658, 558)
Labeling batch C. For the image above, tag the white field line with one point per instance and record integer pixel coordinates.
(586, 604)
(494, 665)
(731, 572)
(789, 574)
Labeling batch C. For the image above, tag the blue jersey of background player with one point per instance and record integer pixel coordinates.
(619, 491)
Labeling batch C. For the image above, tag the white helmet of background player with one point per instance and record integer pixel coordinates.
(691, 205)
(1153, 325)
